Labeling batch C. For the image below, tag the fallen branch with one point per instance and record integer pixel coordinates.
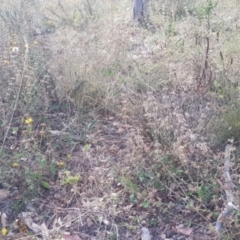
(228, 188)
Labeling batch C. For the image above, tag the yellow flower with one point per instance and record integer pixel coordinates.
(4, 231)
(29, 121)
(15, 165)
(61, 164)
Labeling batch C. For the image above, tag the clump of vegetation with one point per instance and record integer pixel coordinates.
(125, 123)
(228, 126)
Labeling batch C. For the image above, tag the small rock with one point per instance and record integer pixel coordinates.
(169, 233)
(145, 234)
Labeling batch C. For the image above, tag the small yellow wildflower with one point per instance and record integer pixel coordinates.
(15, 165)
(29, 121)
(61, 164)
(35, 42)
(4, 231)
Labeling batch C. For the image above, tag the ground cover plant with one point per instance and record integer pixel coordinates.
(114, 129)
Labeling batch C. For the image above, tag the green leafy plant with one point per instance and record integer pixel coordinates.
(206, 10)
(18, 205)
(170, 29)
(145, 204)
(130, 185)
(228, 126)
(45, 184)
(153, 221)
(34, 180)
(70, 179)
(205, 192)
(145, 177)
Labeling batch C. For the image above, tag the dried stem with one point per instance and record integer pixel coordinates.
(228, 188)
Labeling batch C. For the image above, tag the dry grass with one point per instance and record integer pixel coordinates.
(141, 114)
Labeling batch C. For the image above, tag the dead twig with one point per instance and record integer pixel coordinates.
(228, 188)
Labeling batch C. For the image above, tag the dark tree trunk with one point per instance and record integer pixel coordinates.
(140, 10)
